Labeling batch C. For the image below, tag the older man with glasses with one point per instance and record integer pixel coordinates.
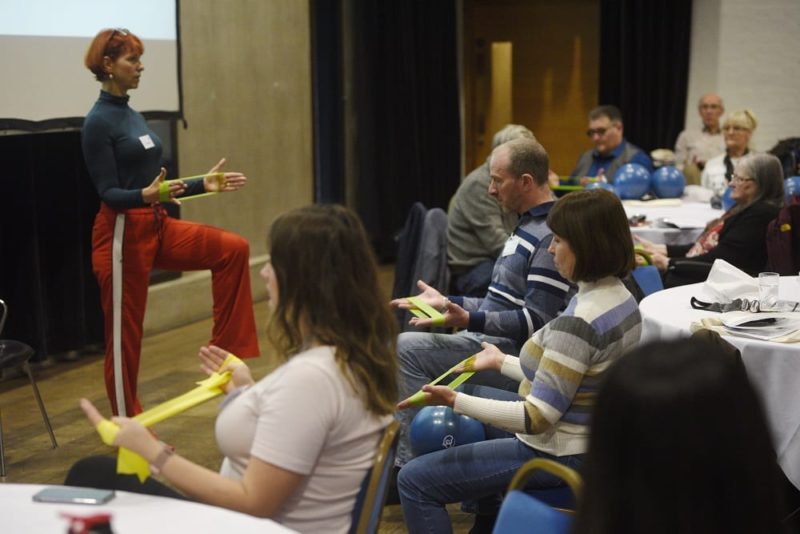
(695, 146)
(611, 150)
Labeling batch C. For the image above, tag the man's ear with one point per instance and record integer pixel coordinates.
(527, 180)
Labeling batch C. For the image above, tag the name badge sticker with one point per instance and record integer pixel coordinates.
(511, 246)
(147, 143)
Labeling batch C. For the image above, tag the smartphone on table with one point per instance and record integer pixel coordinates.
(73, 495)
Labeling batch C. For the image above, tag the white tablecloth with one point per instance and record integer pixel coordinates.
(773, 368)
(131, 514)
(691, 218)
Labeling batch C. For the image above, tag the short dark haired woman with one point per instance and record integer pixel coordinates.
(559, 369)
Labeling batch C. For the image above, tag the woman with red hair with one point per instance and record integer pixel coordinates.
(133, 233)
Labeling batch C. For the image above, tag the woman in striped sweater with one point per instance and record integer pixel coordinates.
(559, 369)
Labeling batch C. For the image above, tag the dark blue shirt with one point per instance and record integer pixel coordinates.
(604, 162)
(122, 153)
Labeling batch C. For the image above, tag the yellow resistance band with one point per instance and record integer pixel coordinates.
(130, 463)
(640, 251)
(425, 311)
(418, 398)
(163, 187)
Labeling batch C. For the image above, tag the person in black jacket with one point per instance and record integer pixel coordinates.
(738, 237)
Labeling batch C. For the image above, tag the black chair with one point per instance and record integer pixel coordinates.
(15, 354)
(683, 271)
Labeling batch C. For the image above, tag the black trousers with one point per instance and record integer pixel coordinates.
(101, 472)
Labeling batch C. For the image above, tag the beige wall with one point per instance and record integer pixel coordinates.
(247, 96)
(747, 51)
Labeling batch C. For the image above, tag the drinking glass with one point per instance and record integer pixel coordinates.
(768, 289)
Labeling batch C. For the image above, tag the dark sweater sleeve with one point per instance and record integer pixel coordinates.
(99, 156)
(678, 251)
(742, 239)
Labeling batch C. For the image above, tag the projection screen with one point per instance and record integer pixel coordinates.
(42, 46)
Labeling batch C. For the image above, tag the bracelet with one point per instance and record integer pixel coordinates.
(158, 464)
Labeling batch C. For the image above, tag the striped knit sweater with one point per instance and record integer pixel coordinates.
(526, 290)
(560, 369)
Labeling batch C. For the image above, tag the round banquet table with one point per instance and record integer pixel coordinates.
(130, 513)
(773, 368)
(690, 217)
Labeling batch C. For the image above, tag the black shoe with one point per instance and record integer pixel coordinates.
(484, 524)
(392, 495)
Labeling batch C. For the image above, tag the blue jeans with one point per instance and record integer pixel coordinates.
(467, 473)
(423, 357)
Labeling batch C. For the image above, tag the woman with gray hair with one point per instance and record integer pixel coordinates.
(738, 237)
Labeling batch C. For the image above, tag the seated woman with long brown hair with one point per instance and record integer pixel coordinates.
(299, 442)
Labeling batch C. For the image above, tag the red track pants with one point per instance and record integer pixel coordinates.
(126, 246)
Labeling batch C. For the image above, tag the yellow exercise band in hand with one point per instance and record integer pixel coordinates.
(163, 187)
(108, 431)
(130, 463)
(163, 192)
(418, 398)
(426, 311)
(639, 250)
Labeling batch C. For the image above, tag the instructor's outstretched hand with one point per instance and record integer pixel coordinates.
(217, 181)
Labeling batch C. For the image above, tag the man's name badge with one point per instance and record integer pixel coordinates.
(511, 246)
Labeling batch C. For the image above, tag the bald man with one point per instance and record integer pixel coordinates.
(695, 147)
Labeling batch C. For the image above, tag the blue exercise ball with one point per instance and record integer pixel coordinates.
(439, 427)
(601, 185)
(727, 201)
(632, 181)
(668, 182)
(791, 187)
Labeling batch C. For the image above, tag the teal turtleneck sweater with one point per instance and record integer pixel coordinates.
(122, 153)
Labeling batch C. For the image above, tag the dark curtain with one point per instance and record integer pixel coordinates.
(406, 95)
(45, 244)
(644, 66)
(326, 24)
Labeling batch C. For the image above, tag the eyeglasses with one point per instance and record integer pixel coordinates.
(591, 132)
(116, 31)
(741, 179)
